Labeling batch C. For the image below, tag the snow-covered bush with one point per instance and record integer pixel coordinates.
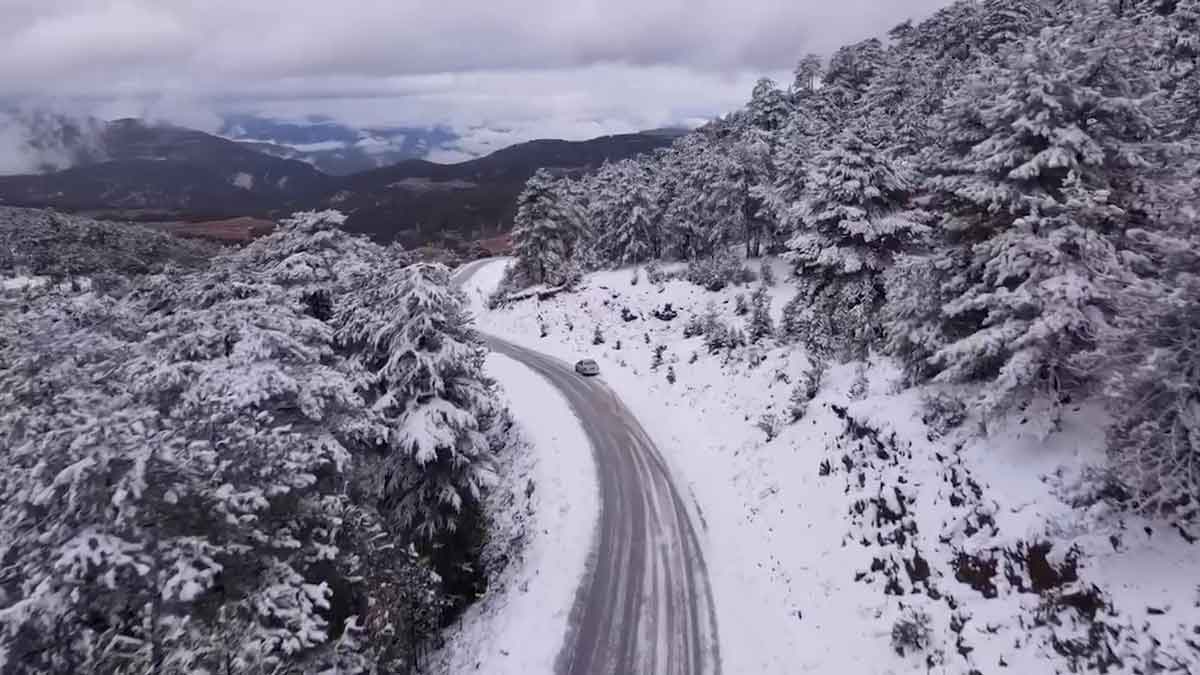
(911, 316)
(769, 424)
(860, 387)
(717, 336)
(740, 306)
(723, 269)
(761, 324)
(806, 389)
(942, 412)
(912, 632)
(654, 273)
(766, 273)
(665, 313)
(657, 361)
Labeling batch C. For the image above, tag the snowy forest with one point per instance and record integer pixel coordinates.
(1003, 195)
(276, 459)
(263, 460)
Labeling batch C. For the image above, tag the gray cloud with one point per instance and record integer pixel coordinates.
(572, 66)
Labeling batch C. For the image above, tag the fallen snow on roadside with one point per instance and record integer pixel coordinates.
(823, 540)
(482, 282)
(549, 496)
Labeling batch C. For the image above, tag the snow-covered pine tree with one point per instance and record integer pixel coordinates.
(687, 219)
(313, 258)
(1182, 76)
(546, 230)
(950, 35)
(1003, 22)
(633, 236)
(272, 416)
(850, 71)
(761, 325)
(1182, 43)
(1154, 387)
(797, 144)
(769, 107)
(933, 60)
(807, 76)
(753, 152)
(1038, 157)
(174, 501)
(903, 97)
(423, 375)
(855, 221)
(715, 200)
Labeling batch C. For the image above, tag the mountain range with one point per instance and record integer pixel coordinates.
(133, 170)
(332, 147)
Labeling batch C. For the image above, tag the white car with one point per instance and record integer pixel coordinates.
(587, 367)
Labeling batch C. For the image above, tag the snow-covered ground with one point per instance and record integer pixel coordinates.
(548, 498)
(18, 283)
(822, 540)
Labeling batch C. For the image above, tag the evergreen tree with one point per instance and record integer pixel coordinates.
(793, 153)
(851, 69)
(1182, 76)
(1003, 22)
(173, 480)
(634, 235)
(423, 374)
(769, 107)
(1030, 196)
(313, 258)
(761, 324)
(854, 223)
(807, 76)
(1154, 386)
(545, 230)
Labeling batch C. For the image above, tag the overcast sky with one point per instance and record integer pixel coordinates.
(568, 68)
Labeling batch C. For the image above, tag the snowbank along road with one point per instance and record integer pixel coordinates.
(645, 605)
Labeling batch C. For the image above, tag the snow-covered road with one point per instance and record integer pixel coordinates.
(645, 604)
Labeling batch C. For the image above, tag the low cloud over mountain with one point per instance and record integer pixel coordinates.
(579, 69)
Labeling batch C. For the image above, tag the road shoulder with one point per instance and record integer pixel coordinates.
(549, 497)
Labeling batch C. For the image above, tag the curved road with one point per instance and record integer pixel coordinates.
(645, 605)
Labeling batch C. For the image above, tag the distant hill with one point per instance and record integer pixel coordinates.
(416, 201)
(131, 170)
(132, 165)
(332, 147)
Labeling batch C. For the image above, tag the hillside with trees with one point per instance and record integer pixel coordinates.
(1003, 195)
(268, 460)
